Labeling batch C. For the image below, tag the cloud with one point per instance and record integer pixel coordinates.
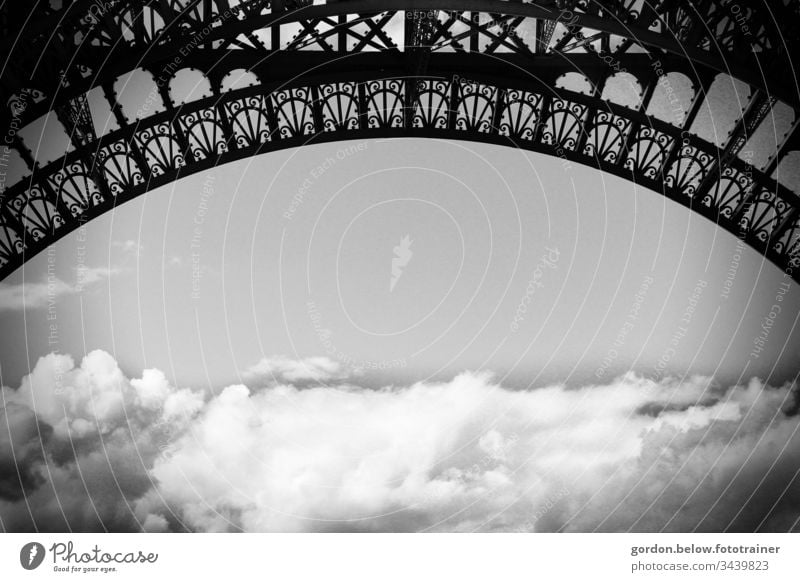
(463, 455)
(129, 246)
(87, 276)
(32, 295)
(102, 432)
(283, 369)
(15, 297)
(20, 435)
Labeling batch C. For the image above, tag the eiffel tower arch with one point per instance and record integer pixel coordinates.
(695, 100)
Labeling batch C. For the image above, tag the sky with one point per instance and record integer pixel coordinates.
(513, 262)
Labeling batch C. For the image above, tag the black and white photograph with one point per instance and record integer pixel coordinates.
(403, 270)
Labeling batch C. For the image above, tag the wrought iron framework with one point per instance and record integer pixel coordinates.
(481, 70)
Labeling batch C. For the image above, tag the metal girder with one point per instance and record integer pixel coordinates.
(754, 114)
(79, 46)
(76, 114)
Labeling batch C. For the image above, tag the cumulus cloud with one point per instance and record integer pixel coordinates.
(92, 449)
(91, 436)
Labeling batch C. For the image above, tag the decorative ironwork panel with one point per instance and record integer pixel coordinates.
(564, 124)
(688, 170)
(203, 129)
(788, 245)
(385, 103)
(11, 244)
(432, 104)
(764, 213)
(647, 153)
(521, 114)
(76, 190)
(476, 105)
(728, 192)
(249, 119)
(607, 137)
(37, 212)
(161, 149)
(119, 167)
(295, 112)
(339, 106)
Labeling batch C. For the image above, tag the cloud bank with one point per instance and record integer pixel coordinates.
(85, 448)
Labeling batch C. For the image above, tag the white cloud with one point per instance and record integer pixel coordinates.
(96, 397)
(455, 456)
(283, 369)
(129, 246)
(469, 454)
(32, 295)
(14, 297)
(100, 433)
(87, 276)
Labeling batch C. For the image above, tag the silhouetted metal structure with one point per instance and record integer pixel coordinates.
(483, 70)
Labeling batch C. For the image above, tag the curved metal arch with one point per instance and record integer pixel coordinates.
(515, 111)
(331, 57)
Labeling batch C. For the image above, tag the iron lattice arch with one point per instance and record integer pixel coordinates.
(96, 109)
